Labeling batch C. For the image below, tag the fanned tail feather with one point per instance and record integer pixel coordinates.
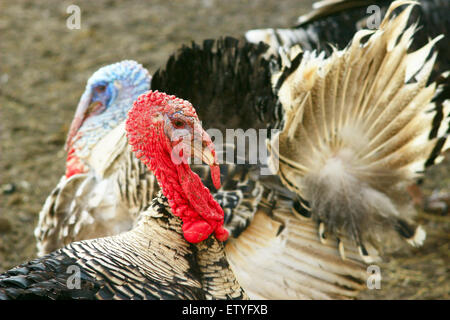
(357, 131)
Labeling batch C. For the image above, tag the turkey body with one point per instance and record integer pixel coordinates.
(152, 261)
(170, 254)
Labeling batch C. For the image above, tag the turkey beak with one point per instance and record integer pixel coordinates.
(83, 109)
(206, 152)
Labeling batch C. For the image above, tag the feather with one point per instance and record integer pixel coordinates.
(300, 265)
(152, 261)
(333, 23)
(363, 118)
(103, 202)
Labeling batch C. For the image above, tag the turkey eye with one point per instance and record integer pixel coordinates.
(178, 123)
(100, 89)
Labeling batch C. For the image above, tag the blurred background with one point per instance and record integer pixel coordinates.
(44, 67)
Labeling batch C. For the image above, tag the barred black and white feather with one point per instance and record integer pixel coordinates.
(152, 261)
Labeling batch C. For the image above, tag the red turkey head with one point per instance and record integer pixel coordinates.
(165, 133)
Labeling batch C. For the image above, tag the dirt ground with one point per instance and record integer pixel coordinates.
(43, 70)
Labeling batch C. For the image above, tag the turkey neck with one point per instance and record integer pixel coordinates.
(218, 278)
(161, 232)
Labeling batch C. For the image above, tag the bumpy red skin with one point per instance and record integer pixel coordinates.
(187, 196)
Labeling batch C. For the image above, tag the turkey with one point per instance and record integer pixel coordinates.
(233, 89)
(175, 252)
(363, 118)
(84, 204)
